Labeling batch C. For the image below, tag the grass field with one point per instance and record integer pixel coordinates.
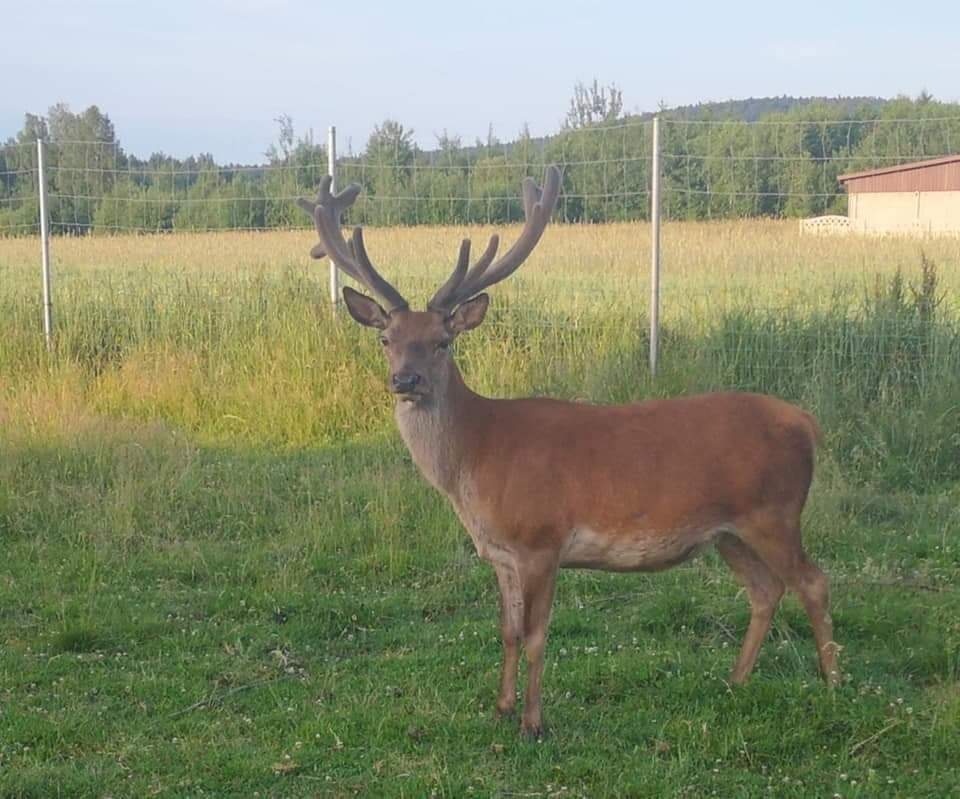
(223, 576)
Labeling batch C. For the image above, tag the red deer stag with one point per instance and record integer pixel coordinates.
(541, 484)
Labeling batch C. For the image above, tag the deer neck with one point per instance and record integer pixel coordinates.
(436, 431)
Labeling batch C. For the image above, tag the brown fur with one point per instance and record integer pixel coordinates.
(542, 484)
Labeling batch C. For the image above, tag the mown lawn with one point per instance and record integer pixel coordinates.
(183, 621)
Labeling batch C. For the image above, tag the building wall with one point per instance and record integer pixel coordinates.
(905, 212)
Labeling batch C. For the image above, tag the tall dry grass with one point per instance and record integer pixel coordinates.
(228, 336)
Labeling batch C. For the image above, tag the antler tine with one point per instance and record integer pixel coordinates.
(350, 257)
(339, 202)
(317, 250)
(306, 205)
(446, 296)
(333, 244)
(371, 277)
(531, 195)
(537, 206)
(456, 277)
(484, 261)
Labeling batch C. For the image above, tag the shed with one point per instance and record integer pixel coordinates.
(921, 197)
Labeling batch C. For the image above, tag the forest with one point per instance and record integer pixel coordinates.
(775, 158)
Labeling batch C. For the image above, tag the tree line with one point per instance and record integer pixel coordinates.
(714, 166)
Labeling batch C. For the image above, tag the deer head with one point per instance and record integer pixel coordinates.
(417, 343)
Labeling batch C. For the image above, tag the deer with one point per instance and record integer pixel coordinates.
(542, 484)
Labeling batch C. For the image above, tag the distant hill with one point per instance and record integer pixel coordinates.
(753, 108)
(749, 109)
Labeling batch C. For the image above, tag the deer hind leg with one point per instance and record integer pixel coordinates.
(511, 630)
(538, 578)
(780, 548)
(813, 587)
(764, 590)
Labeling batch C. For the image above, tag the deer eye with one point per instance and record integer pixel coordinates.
(443, 345)
(384, 340)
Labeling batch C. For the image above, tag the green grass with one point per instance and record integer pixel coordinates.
(182, 620)
(223, 575)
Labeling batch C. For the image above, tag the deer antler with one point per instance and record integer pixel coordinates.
(351, 257)
(463, 283)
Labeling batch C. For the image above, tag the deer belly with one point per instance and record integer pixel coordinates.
(634, 550)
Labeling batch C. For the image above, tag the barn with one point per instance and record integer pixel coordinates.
(922, 197)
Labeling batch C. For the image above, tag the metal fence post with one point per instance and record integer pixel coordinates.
(45, 249)
(332, 170)
(655, 248)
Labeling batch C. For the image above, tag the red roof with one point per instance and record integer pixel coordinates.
(886, 170)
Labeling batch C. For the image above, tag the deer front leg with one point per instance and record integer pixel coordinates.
(538, 577)
(511, 628)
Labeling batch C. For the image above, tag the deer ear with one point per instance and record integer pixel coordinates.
(468, 315)
(364, 310)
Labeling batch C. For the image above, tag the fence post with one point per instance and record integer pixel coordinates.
(655, 248)
(45, 248)
(332, 170)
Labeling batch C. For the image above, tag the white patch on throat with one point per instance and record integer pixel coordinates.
(428, 431)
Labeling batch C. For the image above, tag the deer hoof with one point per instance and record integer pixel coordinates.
(531, 731)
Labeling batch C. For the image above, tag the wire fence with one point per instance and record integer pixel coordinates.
(96, 187)
(709, 170)
(19, 190)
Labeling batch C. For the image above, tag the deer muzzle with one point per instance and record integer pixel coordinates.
(406, 384)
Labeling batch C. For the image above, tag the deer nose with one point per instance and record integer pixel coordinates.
(405, 382)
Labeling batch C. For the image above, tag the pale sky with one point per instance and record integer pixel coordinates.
(211, 75)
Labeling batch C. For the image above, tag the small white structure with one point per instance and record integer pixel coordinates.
(831, 225)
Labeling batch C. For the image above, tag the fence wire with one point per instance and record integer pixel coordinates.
(711, 169)
(745, 174)
(19, 190)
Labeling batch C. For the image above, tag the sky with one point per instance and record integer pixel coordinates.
(213, 75)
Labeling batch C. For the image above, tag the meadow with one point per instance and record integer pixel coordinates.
(223, 576)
